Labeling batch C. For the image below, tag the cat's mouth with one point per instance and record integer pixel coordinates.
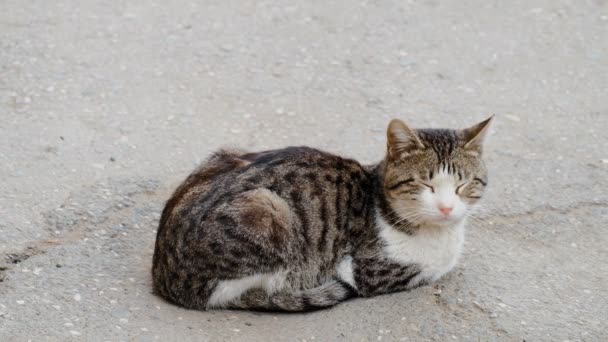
(445, 220)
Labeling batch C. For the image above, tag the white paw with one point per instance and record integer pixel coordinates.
(345, 271)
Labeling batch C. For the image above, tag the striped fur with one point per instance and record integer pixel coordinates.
(297, 229)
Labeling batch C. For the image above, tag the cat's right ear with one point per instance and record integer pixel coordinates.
(401, 139)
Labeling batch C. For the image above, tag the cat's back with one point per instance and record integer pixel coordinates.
(290, 168)
(295, 174)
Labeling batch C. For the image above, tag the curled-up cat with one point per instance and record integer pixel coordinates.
(299, 229)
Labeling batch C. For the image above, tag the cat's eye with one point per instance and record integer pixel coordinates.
(428, 186)
(459, 187)
(480, 181)
(401, 183)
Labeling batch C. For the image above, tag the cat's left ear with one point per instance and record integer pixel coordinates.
(475, 135)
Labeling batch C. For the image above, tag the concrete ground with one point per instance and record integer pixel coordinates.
(106, 105)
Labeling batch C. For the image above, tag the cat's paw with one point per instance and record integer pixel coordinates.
(345, 271)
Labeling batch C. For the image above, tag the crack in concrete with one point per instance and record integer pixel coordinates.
(12, 259)
(73, 221)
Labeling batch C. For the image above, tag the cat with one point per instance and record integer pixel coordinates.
(298, 229)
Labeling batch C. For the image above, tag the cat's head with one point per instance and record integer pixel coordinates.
(434, 175)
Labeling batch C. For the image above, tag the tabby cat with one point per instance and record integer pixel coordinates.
(299, 229)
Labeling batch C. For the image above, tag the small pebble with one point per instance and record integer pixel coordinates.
(502, 305)
(75, 333)
(37, 271)
(20, 302)
(144, 329)
(77, 297)
(513, 118)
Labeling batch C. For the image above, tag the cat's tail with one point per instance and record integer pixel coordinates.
(320, 297)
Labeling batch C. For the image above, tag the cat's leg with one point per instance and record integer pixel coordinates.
(276, 292)
(374, 276)
(230, 291)
(256, 249)
(320, 297)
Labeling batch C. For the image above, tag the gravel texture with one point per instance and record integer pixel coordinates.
(106, 105)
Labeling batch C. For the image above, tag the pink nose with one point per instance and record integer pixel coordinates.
(445, 210)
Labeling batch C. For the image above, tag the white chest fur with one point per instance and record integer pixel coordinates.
(435, 249)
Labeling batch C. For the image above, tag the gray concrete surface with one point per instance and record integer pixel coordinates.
(106, 105)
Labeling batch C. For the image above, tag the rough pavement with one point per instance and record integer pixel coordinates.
(106, 106)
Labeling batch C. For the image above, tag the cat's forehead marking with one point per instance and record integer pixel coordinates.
(443, 142)
(443, 176)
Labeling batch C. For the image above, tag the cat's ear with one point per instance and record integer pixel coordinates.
(475, 135)
(401, 139)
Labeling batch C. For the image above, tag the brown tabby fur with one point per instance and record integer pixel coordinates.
(297, 210)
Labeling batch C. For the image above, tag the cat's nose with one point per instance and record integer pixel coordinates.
(445, 210)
